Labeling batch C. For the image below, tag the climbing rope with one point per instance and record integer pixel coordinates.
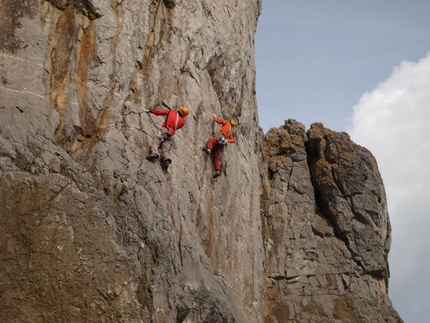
(169, 188)
(172, 209)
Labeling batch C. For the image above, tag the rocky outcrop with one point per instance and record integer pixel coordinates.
(326, 228)
(296, 229)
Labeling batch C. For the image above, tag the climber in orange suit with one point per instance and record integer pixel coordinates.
(216, 144)
(163, 142)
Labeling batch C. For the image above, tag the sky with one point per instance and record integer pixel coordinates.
(362, 67)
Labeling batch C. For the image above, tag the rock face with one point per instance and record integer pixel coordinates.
(296, 229)
(326, 229)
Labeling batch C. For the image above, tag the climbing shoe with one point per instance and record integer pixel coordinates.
(152, 156)
(167, 163)
(217, 173)
(207, 150)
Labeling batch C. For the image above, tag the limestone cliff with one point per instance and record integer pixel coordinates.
(296, 229)
(326, 229)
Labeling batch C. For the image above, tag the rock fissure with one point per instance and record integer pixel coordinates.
(23, 92)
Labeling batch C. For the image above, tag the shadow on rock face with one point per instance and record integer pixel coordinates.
(170, 3)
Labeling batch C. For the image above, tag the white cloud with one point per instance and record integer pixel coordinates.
(392, 121)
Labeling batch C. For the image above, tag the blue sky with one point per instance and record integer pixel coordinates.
(361, 67)
(316, 58)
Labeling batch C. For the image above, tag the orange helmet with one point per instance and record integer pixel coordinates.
(184, 111)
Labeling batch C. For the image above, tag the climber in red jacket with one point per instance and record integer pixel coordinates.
(164, 140)
(216, 144)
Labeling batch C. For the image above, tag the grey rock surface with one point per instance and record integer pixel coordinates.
(326, 229)
(90, 231)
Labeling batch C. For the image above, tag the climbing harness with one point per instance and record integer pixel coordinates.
(163, 132)
(221, 139)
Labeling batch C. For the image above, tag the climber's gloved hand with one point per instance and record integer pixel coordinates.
(147, 111)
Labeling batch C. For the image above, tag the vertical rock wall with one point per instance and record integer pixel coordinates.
(295, 230)
(90, 230)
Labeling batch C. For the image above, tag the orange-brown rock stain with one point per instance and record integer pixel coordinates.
(72, 51)
(343, 312)
(62, 41)
(86, 54)
(155, 43)
(275, 307)
(272, 295)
